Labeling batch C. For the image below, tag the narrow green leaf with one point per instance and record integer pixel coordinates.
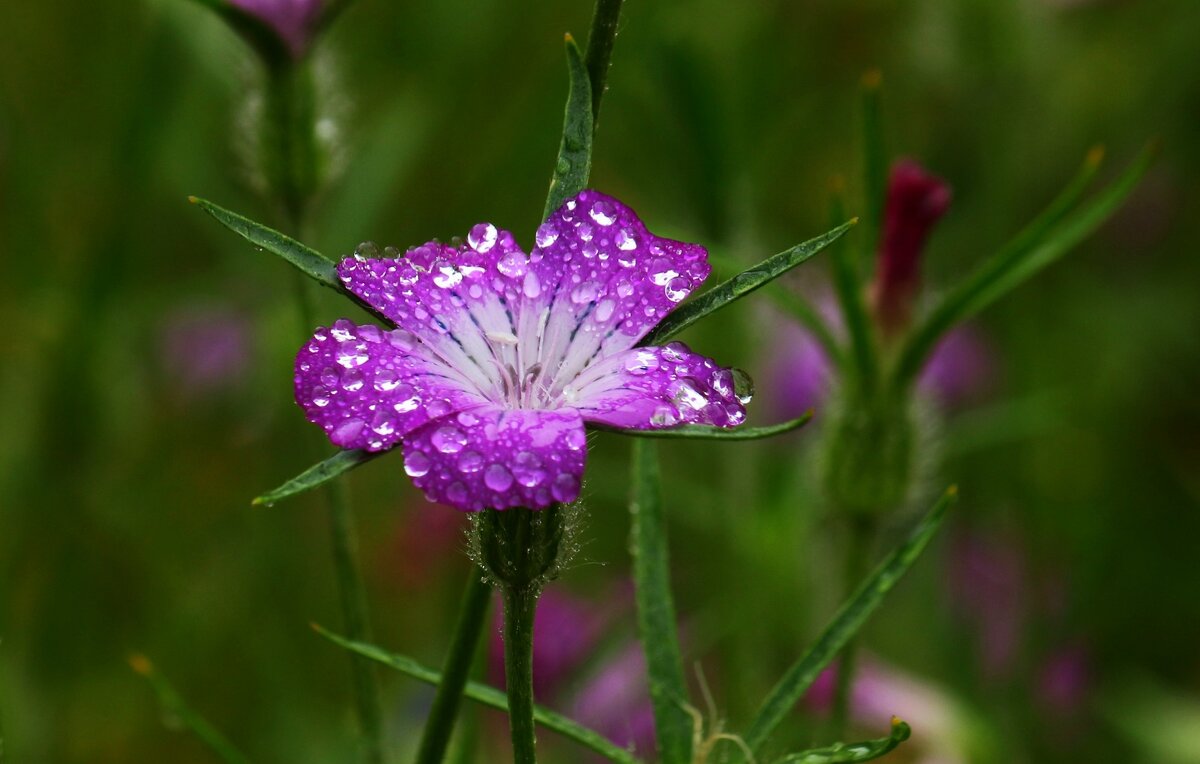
(310, 262)
(574, 163)
(741, 285)
(874, 158)
(605, 15)
(488, 696)
(174, 705)
(656, 609)
(845, 625)
(1051, 235)
(843, 753)
(318, 474)
(705, 432)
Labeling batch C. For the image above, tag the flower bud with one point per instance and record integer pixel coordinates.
(916, 200)
(294, 21)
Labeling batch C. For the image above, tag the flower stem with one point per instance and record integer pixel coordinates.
(472, 615)
(599, 49)
(519, 606)
(857, 549)
(290, 166)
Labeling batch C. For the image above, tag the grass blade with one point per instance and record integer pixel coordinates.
(488, 696)
(656, 609)
(574, 163)
(843, 753)
(845, 625)
(741, 285)
(704, 432)
(318, 474)
(310, 262)
(1043, 241)
(172, 703)
(874, 159)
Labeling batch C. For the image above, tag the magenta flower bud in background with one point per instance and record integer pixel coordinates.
(916, 200)
(1064, 681)
(294, 21)
(988, 581)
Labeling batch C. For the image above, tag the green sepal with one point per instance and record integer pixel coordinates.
(853, 614)
(574, 163)
(741, 285)
(1051, 235)
(305, 259)
(176, 707)
(488, 696)
(843, 753)
(657, 629)
(318, 474)
(705, 432)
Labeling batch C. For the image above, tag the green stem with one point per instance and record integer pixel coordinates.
(463, 645)
(520, 604)
(289, 161)
(599, 49)
(857, 549)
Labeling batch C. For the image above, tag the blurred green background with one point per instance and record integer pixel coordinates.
(128, 457)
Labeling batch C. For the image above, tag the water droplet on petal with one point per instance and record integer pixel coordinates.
(625, 240)
(642, 362)
(352, 380)
(497, 477)
(513, 265)
(470, 461)
(565, 487)
(342, 330)
(664, 416)
(352, 353)
(467, 419)
(743, 386)
(457, 493)
(585, 293)
(382, 423)
(401, 340)
(677, 288)
(448, 276)
(604, 310)
(329, 376)
(683, 392)
(675, 351)
(482, 237)
(576, 439)
(416, 464)
(722, 382)
(546, 235)
(438, 408)
(406, 399)
(320, 397)
(448, 439)
(603, 213)
(347, 431)
(370, 333)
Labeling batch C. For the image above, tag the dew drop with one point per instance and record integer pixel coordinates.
(576, 439)
(402, 340)
(683, 392)
(603, 213)
(467, 419)
(406, 399)
(382, 423)
(664, 416)
(448, 276)
(352, 380)
(448, 439)
(624, 287)
(743, 386)
(320, 397)
(438, 408)
(674, 351)
(722, 382)
(497, 477)
(347, 431)
(342, 330)
(642, 362)
(677, 288)
(370, 333)
(513, 265)
(546, 235)
(329, 376)
(625, 240)
(565, 487)
(470, 462)
(604, 310)
(352, 353)
(417, 464)
(482, 237)
(585, 292)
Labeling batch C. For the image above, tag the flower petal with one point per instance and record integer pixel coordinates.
(654, 387)
(494, 458)
(368, 387)
(597, 282)
(461, 303)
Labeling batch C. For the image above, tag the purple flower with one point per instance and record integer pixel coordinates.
(916, 200)
(499, 358)
(293, 20)
(1065, 680)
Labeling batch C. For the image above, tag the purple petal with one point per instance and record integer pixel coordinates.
(598, 281)
(654, 387)
(292, 20)
(497, 458)
(461, 303)
(368, 387)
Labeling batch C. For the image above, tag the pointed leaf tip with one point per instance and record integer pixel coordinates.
(872, 78)
(568, 37)
(193, 199)
(1095, 154)
(141, 664)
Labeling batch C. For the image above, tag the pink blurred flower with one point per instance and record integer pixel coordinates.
(293, 20)
(205, 350)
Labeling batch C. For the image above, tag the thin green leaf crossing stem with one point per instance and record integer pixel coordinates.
(740, 285)
(173, 703)
(861, 532)
(574, 163)
(705, 432)
(318, 474)
(488, 696)
(849, 619)
(846, 753)
(472, 616)
(605, 16)
(656, 609)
